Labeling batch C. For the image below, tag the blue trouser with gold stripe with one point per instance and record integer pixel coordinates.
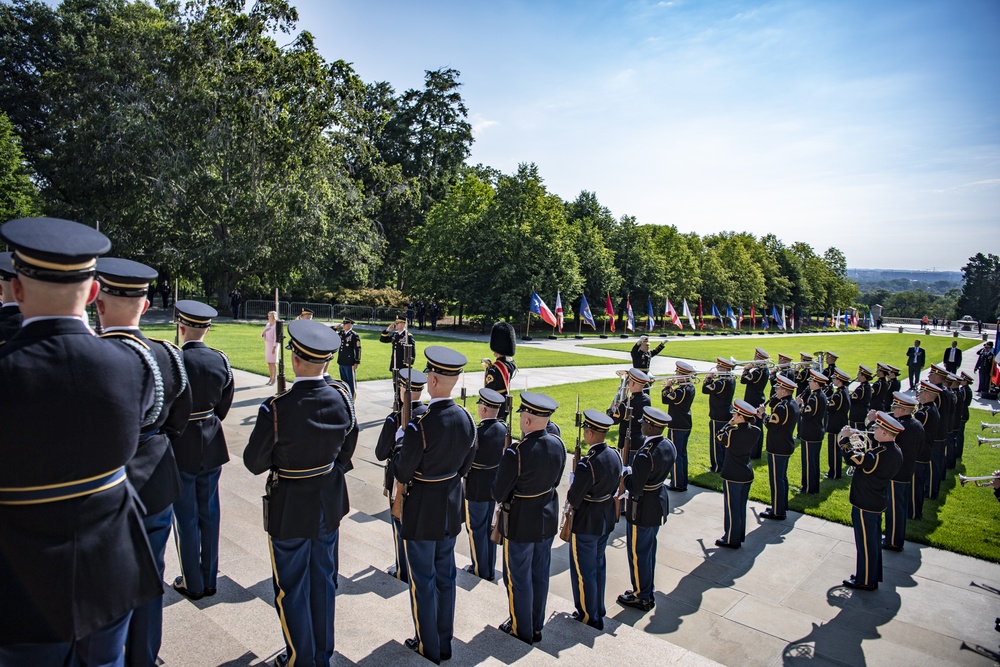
(835, 456)
(736, 495)
(679, 477)
(348, 376)
(868, 542)
(896, 509)
(145, 629)
(101, 648)
(432, 594)
(196, 529)
(588, 570)
(397, 538)
(918, 488)
(716, 450)
(758, 448)
(937, 468)
(478, 516)
(526, 574)
(951, 449)
(304, 578)
(777, 474)
(641, 544)
(810, 465)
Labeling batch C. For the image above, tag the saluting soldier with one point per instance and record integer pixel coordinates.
(838, 411)
(10, 312)
(780, 445)
(646, 507)
(501, 371)
(637, 400)
(928, 416)
(812, 416)
(153, 473)
(909, 441)
(404, 350)
(437, 450)
(299, 436)
(874, 468)
(737, 474)
(592, 496)
(525, 487)
(74, 561)
(642, 357)
(385, 450)
(201, 452)
(720, 392)
(678, 397)
(349, 355)
(755, 377)
(491, 436)
(306, 314)
(802, 373)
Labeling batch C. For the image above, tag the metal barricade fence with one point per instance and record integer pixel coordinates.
(386, 314)
(321, 311)
(258, 309)
(360, 314)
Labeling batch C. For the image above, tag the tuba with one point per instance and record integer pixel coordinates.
(621, 394)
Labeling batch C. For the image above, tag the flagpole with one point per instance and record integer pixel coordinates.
(527, 327)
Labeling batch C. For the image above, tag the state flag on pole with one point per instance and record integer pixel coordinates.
(630, 324)
(774, 314)
(730, 315)
(701, 315)
(763, 317)
(687, 314)
(716, 314)
(672, 314)
(741, 316)
(539, 308)
(585, 313)
(784, 322)
(609, 310)
(650, 318)
(753, 316)
(559, 312)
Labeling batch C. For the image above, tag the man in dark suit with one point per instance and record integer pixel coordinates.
(299, 436)
(952, 357)
(916, 357)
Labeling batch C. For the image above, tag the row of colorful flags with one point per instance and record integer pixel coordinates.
(782, 320)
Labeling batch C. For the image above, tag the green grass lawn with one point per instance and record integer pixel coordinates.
(245, 348)
(854, 349)
(962, 519)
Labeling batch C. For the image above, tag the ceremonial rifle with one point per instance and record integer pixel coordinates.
(495, 536)
(404, 413)
(279, 336)
(566, 532)
(626, 448)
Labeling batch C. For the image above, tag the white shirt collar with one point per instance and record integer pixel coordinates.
(308, 378)
(128, 328)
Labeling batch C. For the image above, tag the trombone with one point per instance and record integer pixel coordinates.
(678, 379)
(766, 363)
(979, 481)
(992, 442)
(994, 428)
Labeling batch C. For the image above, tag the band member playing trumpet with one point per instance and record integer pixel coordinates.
(830, 357)
(838, 406)
(646, 507)
(720, 389)
(951, 443)
(965, 400)
(491, 437)
(898, 494)
(881, 398)
(592, 496)
(811, 422)
(874, 467)
(500, 372)
(784, 367)
(927, 416)
(637, 381)
(892, 374)
(780, 444)
(642, 356)
(739, 438)
(755, 376)
(861, 397)
(802, 373)
(678, 396)
(946, 404)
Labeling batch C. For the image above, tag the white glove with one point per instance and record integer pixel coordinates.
(399, 433)
(627, 470)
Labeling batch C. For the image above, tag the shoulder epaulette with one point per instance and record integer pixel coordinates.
(123, 334)
(269, 401)
(229, 369)
(345, 391)
(176, 363)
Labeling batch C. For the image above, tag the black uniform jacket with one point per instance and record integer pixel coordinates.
(881, 398)
(812, 416)
(739, 442)
(71, 410)
(10, 320)
(153, 469)
(638, 402)
(302, 433)
(641, 359)
(861, 399)
(203, 444)
(437, 450)
(526, 482)
(387, 445)
(928, 416)
(964, 401)
(755, 378)
(498, 377)
(678, 400)
(946, 407)
(872, 473)
(349, 352)
(802, 380)
(648, 504)
(720, 398)
(592, 493)
(909, 441)
(839, 406)
(781, 427)
(491, 436)
(397, 359)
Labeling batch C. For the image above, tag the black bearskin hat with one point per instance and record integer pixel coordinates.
(502, 339)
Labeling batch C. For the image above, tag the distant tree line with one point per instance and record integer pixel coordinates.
(980, 296)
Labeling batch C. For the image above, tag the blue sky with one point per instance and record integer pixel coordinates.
(871, 126)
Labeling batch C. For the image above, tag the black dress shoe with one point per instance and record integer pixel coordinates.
(472, 570)
(851, 583)
(507, 626)
(413, 644)
(768, 514)
(178, 586)
(633, 602)
(891, 547)
(722, 543)
(536, 637)
(392, 571)
(209, 592)
(680, 489)
(281, 660)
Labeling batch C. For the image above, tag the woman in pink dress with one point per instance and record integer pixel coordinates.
(271, 346)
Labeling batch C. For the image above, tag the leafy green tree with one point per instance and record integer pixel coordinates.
(681, 278)
(18, 195)
(980, 297)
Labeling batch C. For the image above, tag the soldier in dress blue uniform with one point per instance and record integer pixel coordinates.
(831, 358)
(898, 494)
(10, 312)
(349, 355)
(737, 474)
(965, 400)
(501, 371)
(678, 397)
(802, 373)
(299, 437)
(780, 445)
(637, 400)
(646, 507)
(894, 383)
(881, 398)
(951, 443)
(592, 494)
(946, 406)
(783, 367)
(122, 300)
(386, 448)
(720, 392)
(74, 561)
(491, 435)
(874, 468)
(437, 450)
(641, 354)
(201, 451)
(861, 398)
(838, 410)
(404, 349)
(755, 376)
(812, 418)
(525, 487)
(928, 417)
